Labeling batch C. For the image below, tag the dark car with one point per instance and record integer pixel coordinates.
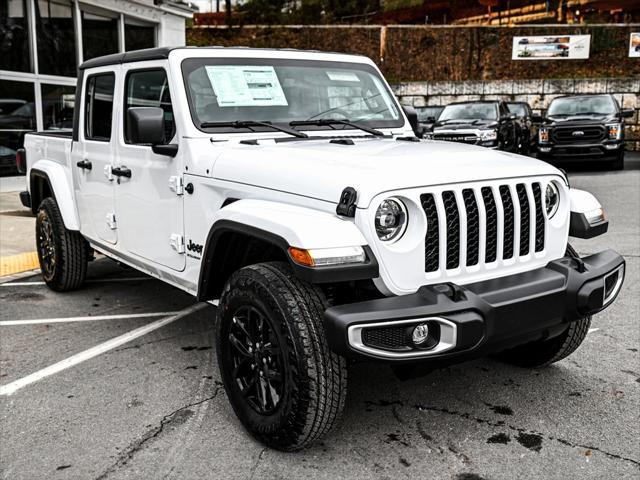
(484, 123)
(528, 123)
(427, 116)
(583, 128)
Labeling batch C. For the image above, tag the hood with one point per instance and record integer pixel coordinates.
(450, 125)
(321, 170)
(581, 120)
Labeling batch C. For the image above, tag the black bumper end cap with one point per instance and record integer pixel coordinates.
(579, 226)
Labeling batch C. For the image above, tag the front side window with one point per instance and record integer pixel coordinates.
(149, 88)
(99, 106)
(282, 91)
(518, 108)
(469, 111)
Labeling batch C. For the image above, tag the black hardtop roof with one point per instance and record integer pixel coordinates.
(161, 53)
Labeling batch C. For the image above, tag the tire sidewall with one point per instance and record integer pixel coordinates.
(247, 288)
(45, 213)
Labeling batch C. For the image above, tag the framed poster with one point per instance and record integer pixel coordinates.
(551, 47)
(634, 45)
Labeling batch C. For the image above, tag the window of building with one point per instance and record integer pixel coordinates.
(138, 35)
(58, 102)
(56, 37)
(99, 34)
(150, 88)
(99, 106)
(17, 117)
(14, 36)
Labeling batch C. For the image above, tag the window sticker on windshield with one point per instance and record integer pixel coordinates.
(246, 86)
(343, 76)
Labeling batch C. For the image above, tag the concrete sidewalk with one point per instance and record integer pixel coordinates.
(17, 238)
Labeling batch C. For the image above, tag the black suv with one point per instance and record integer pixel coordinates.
(528, 124)
(583, 128)
(485, 123)
(427, 116)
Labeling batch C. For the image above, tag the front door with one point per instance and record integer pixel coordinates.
(148, 209)
(92, 159)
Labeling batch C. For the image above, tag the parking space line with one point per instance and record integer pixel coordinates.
(78, 358)
(36, 321)
(97, 280)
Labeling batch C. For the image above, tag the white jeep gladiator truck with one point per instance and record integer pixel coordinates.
(289, 186)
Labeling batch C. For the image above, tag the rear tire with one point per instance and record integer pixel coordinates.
(284, 384)
(543, 353)
(63, 254)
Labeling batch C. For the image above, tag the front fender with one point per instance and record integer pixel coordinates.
(55, 174)
(300, 227)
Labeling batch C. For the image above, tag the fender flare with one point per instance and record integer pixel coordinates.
(275, 223)
(55, 176)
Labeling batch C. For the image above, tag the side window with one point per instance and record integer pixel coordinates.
(99, 106)
(149, 88)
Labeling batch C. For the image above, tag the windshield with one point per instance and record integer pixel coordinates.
(593, 105)
(518, 109)
(281, 91)
(424, 113)
(469, 111)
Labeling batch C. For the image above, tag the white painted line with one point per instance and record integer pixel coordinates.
(95, 280)
(16, 385)
(39, 321)
(591, 330)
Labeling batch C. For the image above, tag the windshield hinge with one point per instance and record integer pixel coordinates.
(176, 184)
(347, 205)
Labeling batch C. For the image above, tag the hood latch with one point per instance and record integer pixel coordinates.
(347, 205)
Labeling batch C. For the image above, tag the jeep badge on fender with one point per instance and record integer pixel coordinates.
(331, 234)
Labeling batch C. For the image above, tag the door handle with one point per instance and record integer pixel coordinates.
(121, 172)
(85, 164)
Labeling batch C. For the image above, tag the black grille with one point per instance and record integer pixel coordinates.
(492, 225)
(460, 138)
(386, 338)
(509, 221)
(473, 227)
(431, 241)
(525, 218)
(453, 229)
(537, 198)
(578, 134)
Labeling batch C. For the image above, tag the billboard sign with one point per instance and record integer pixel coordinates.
(551, 47)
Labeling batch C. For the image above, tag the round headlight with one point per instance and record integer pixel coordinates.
(552, 199)
(391, 219)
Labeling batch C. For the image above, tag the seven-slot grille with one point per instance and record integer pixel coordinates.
(495, 214)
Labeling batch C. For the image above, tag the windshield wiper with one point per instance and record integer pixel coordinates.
(334, 121)
(252, 123)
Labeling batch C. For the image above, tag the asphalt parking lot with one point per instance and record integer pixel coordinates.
(77, 404)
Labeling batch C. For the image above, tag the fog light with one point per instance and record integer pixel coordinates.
(544, 149)
(420, 334)
(612, 284)
(610, 146)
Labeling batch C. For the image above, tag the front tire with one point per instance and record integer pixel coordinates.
(618, 163)
(545, 352)
(284, 384)
(63, 254)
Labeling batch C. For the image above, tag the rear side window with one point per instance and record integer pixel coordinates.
(149, 88)
(99, 106)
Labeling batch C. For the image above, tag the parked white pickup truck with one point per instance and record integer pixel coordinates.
(289, 185)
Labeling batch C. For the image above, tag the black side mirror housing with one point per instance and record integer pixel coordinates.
(431, 119)
(412, 116)
(626, 112)
(145, 125)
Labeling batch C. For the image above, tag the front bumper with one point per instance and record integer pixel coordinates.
(596, 151)
(477, 319)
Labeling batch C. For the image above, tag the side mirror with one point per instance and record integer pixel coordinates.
(412, 116)
(431, 119)
(145, 125)
(626, 112)
(536, 118)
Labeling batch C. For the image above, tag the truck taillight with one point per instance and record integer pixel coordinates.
(21, 160)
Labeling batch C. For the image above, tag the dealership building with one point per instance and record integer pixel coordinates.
(42, 42)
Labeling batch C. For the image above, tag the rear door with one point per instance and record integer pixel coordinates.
(149, 205)
(92, 156)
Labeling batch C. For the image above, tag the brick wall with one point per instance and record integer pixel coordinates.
(537, 93)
